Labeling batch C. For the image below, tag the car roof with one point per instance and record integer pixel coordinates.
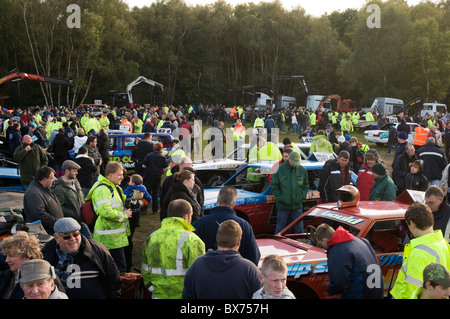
(374, 210)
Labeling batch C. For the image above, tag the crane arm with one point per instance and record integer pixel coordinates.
(139, 80)
(16, 75)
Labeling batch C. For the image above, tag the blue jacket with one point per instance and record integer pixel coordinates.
(434, 160)
(349, 258)
(129, 191)
(206, 228)
(221, 274)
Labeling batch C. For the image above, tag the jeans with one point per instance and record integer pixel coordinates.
(282, 217)
(118, 255)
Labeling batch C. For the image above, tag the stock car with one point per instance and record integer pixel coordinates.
(382, 223)
(255, 201)
(380, 136)
(214, 173)
(122, 144)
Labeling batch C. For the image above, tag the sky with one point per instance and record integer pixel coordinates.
(312, 7)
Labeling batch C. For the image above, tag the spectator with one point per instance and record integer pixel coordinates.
(206, 226)
(357, 154)
(434, 161)
(14, 137)
(436, 134)
(30, 157)
(365, 176)
(445, 182)
(351, 261)
(222, 273)
(155, 166)
(103, 148)
(97, 275)
(137, 199)
(402, 142)
(93, 152)
(40, 201)
(290, 185)
(18, 249)
(435, 200)
(86, 174)
(273, 277)
(36, 277)
(335, 174)
(111, 227)
(383, 188)
(36, 136)
(183, 187)
(321, 143)
(70, 194)
(401, 168)
(392, 139)
(415, 180)
(60, 150)
(436, 283)
(426, 247)
(170, 251)
(144, 147)
(79, 140)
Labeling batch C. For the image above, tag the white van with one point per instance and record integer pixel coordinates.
(431, 108)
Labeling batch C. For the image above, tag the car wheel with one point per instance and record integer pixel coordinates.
(216, 180)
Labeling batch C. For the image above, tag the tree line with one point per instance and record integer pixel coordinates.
(207, 53)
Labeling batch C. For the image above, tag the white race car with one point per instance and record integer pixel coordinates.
(380, 136)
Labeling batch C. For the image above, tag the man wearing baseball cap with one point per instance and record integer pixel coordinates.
(36, 277)
(290, 186)
(436, 283)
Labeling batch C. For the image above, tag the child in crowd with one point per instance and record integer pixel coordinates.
(415, 180)
(137, 200)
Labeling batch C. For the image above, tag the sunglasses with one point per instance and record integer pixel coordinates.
(74, 235)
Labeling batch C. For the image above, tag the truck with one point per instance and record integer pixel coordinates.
(431, 108)
(265, 101)
(385, 105)
(317, 102)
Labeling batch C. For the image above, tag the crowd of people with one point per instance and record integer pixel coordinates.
(63, 158)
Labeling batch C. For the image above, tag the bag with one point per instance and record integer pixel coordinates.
(88, 213)
(132, 285)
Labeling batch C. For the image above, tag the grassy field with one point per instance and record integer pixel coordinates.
(150, 222)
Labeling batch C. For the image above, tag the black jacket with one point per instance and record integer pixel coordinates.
(332, 178)
(95, 256)
(40, 203)
(86, 174)
(441, 216)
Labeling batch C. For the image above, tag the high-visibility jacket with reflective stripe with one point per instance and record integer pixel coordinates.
(419, 253)
(239, 132)
(166, 256)
(111, 227)
(420, 138)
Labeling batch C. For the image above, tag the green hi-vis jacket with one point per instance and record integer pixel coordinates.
(166, 256)
(111, 227)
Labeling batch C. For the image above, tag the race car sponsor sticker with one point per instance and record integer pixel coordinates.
(342, 218)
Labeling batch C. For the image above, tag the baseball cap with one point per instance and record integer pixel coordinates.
(35, 270)
(295, 158)
(437, 273)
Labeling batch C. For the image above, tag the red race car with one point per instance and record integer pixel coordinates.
(382, 223)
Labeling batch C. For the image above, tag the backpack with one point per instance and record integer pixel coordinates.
(88, 213)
